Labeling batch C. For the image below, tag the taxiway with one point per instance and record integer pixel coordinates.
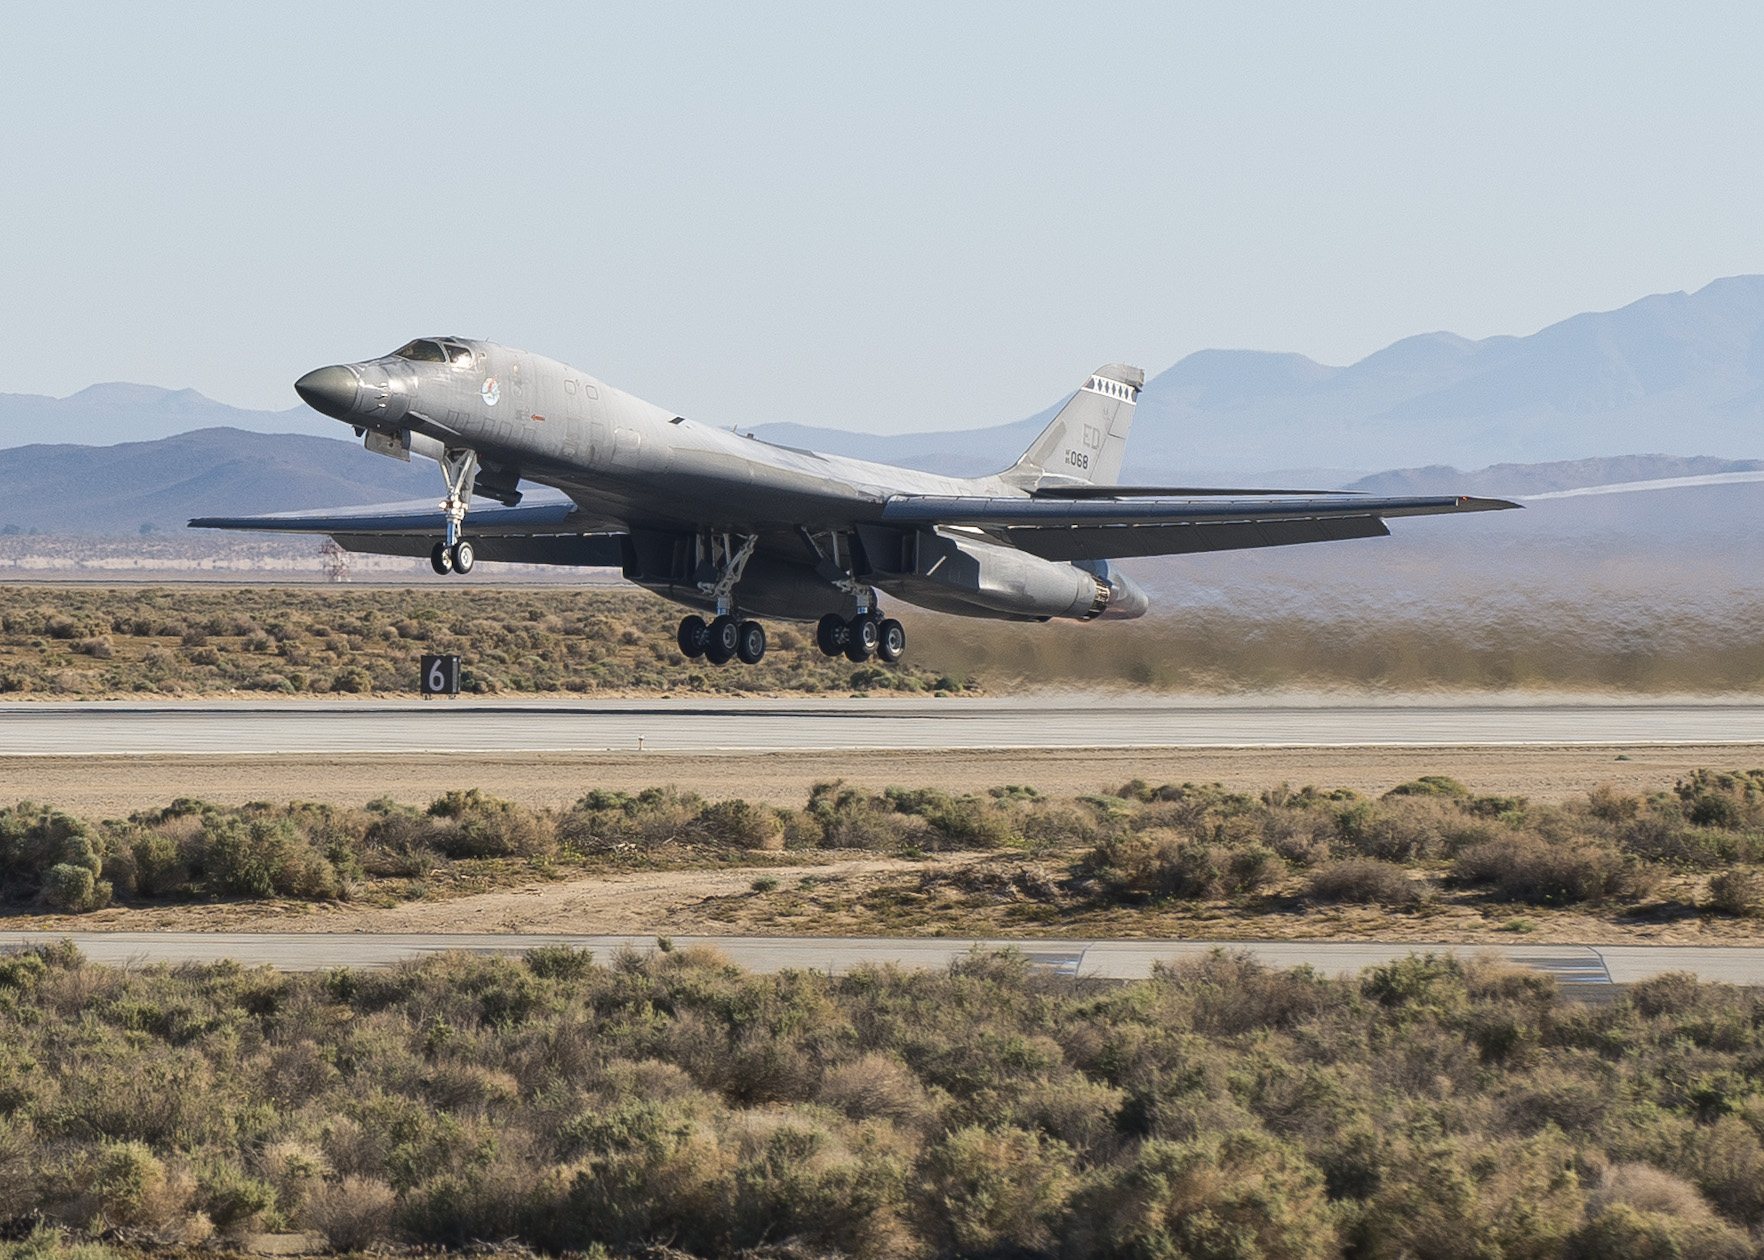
(1572, 965)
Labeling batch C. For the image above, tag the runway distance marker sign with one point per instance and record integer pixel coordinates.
(440, 675)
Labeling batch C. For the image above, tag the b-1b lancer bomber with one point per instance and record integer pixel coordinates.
(737, 528)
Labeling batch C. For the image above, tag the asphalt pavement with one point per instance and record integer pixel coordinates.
(1574, 966)
(479, 725)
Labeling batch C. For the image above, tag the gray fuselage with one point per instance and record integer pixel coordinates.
(635, 468)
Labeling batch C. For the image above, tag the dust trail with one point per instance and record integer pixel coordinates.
(1565, 645)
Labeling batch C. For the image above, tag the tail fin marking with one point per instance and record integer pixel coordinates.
(1086, 442)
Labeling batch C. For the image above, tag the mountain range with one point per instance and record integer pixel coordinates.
(120, 489)
(1682, 371)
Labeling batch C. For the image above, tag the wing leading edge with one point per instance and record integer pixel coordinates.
(1107, 529)
(545, 528)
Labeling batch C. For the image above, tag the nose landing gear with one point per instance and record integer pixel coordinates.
(454, 554)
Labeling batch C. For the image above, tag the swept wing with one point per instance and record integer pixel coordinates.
(1116, 527)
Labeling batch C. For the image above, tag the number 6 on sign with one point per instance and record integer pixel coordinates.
(440, 675)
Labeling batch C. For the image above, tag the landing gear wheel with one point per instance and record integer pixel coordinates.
(721, 642)
(750, 642)
(441, 559)
(831, 634)
(694, 637)
(464, 556)
(862, 643)
(890, 640)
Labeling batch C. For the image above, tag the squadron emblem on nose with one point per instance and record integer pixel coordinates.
(490, 392)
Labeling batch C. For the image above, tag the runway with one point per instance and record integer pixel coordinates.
(1579, 966)
(486, 726)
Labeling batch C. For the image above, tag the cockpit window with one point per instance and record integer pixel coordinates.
(421, 352)
(457, 354)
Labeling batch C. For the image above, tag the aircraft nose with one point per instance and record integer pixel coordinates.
(330, 390)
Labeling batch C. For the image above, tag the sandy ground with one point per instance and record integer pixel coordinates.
(863, 895)
(611, 903)
(111, 786)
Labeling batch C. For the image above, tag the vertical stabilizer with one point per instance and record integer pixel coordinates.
(1087, 441)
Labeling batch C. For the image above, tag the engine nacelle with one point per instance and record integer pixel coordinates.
(966, 573)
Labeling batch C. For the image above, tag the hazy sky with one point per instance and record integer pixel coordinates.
(878, 216)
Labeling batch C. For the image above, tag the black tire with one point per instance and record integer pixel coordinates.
(831, 634)
(464, 556)
(750, 642)
(693, 637)
(890, 640)
(441, 560)
(862, 643)
(721, 642)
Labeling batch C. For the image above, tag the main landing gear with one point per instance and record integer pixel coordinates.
(722, 640)
(861, 637)
(728, 637)
(454, 554)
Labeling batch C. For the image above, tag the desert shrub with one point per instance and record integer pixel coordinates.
(739, 824)
(351, 1214)
(67, 886)
(1668, 840)
(1638, 1212)
(1432, 785)
(1074, 1109)
(877, 1086)
(1227, 994)
(644, 1171)
(1153, 865)
(1739, 893)
(1402, 829)
(986, 1188)
(962, 822)
(1363, 881)
(1431, 1107)
(1524, 868)
(1727, 799)
(261, 857)
(604, 821)
(124, 1184)
(1252, 869)
(876, 830)
(45, 853)
(18, 1167)
(1057, 827)
(560, 962)
(1300, 836)
(1624, 1232)
(1460, 1201)
(231, 1198)
(470, 824)
(1241, 1194)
